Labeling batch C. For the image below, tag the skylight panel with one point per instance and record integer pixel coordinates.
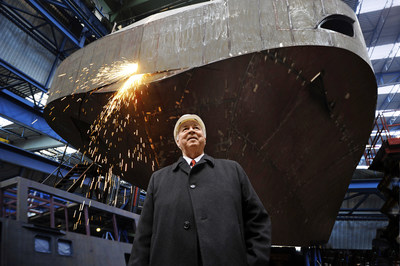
(390, 117)
(365, 6)
(388, 114)
(40, 98)
(384, 51)
(389, 89)
(5, 122)
(46, 152)
(69, 150)
(394, 133)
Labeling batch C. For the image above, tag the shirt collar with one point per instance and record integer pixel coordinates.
(189, 160)
(206, 158)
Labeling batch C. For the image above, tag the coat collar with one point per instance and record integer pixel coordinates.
(181, 163)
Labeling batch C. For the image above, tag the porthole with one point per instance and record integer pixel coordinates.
(338, 23)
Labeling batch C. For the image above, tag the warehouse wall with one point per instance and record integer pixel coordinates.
(22, 52)
(354, 234)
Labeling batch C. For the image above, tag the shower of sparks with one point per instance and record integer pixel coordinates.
(114, 73)
(122, 98)
(109, 124)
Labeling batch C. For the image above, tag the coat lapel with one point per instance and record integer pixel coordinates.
(181, 164)
(206, 159)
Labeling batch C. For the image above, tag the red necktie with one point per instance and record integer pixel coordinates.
(192, 163)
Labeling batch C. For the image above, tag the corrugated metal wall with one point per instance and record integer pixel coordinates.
(23, 52)
(354, 234)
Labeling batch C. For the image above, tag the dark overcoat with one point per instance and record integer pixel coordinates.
(207, 215)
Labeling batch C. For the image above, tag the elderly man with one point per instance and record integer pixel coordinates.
(201, 210)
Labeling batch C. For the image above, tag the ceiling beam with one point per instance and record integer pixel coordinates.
(91, 22)
(16, 16)
(364, 185)
(20, 157)
(22, 75)
(39, 143)
(27, 116)
(387, 78)
(35, 4)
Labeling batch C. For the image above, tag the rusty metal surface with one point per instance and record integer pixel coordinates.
(294, 112)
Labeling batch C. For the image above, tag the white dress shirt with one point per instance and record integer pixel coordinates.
(189, 160)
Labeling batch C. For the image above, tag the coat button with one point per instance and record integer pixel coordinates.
(186, 225)
(192, 186)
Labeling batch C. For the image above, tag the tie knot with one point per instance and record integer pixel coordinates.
(192, 163)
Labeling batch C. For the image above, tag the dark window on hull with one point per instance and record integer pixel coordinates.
(338, 23)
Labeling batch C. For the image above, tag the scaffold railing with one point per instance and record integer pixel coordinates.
(380, 133)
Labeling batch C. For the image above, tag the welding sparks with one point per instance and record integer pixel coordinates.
(110, 119)
(116, 72)
(108, 75)
(121, 95)
(111, 125)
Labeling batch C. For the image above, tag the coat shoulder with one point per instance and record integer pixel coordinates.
(226, 162)
(162, 172)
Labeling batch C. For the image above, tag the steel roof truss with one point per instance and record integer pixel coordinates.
(49, 17)
(13, 14)
(379, 27)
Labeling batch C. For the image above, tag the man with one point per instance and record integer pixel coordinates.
(201, 210)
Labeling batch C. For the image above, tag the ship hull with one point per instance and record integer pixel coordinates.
(296, 118)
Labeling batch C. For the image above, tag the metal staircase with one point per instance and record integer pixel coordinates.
(75, 177)
(383, 154)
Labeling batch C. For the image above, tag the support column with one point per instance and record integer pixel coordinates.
(136, 199)
(22, 201)
(1, 202)
(66, 218)
(51, 209)
(86, 213)
(115, 226)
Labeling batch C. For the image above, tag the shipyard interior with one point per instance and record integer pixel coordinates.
(76, 158)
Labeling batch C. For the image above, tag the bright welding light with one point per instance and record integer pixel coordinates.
(118, 72)
(115, 72)
(123, 71)
(129, 69)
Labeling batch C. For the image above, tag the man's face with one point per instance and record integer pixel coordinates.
(191, 139)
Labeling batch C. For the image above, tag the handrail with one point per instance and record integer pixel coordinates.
(382, 133)
(58, 168)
